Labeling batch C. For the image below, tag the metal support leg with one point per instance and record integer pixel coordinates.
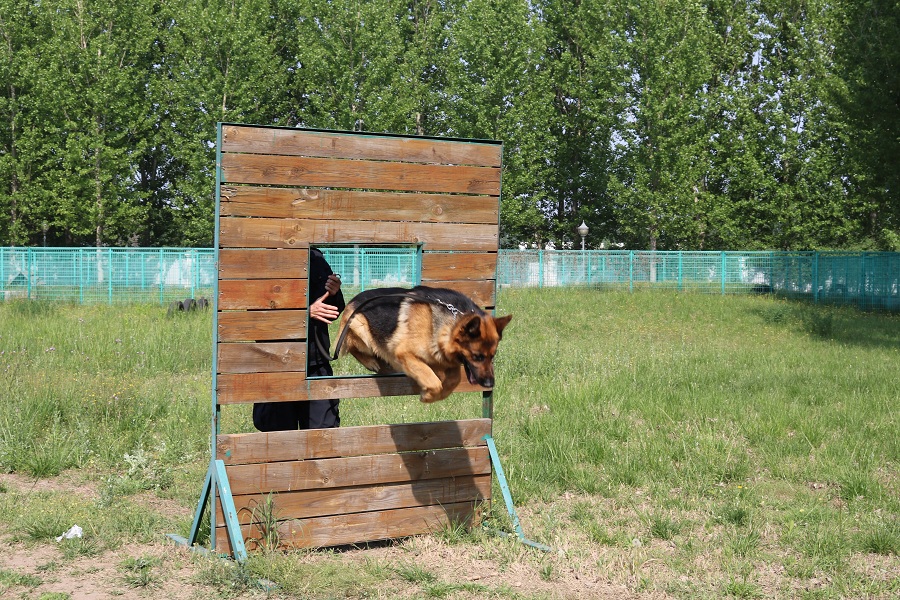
(507, 497)
(231, 521)
(216, 477)
(198, 514)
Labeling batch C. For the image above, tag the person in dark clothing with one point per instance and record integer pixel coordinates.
(328, 303)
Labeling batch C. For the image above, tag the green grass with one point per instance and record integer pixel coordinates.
(702, 436)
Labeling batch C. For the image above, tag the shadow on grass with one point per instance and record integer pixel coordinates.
(842, 325)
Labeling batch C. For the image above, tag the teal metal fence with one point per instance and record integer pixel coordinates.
(868, 280)
(107, 275)
(362, 267)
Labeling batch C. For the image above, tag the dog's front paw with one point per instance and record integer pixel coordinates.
(428, 398)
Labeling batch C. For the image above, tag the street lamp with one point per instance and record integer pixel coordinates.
(582, 231)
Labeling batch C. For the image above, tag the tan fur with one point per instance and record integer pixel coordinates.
(429, 346)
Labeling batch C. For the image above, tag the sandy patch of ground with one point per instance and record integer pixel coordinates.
(162, 569)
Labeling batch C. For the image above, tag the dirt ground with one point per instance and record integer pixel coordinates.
(102, 578)
(178, 574)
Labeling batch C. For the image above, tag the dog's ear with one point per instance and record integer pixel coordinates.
(501, 324)
(471, 326)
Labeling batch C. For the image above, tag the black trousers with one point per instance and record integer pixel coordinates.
(312, 414)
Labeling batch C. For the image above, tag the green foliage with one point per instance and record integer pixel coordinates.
(138, 572)
(673, 125)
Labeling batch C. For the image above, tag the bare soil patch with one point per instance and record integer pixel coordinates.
(172, 572)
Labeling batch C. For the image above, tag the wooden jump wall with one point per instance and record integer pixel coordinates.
(281, 191)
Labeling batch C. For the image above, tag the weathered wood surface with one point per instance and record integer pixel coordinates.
(271, 357)
(458, 266)
(345, 485)
(262, 169)
(480, 292)
(237, 294)
(278, 446)
(304, 203)
(358, 527)
(357, 470)
(238, 388)
(261, 140)
(325, 481)
(261, 325)
(237, 232)
(326, 502)
(263, 263)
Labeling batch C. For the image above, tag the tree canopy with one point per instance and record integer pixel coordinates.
(668, 124)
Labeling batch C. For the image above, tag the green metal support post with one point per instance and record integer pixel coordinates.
(507, 497)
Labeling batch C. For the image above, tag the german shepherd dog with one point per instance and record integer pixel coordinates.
(431, 334)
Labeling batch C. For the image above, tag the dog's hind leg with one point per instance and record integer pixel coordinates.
(371, 362)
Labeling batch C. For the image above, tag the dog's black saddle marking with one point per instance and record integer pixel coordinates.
(385, 310)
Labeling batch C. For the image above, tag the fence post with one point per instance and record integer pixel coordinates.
(109, 273)
(29, 268)
(162, 275)
(680, 269)
(364, 272)
(195, 271)
(540, 268)
(815, 277)
(724, 269)
(587, 275)
(81, 276)
(866, 284)
(631, 270)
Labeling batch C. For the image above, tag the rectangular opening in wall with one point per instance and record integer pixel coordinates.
(361, 267)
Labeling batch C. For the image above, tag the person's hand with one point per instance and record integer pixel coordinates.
(323, 312)
(333, 284)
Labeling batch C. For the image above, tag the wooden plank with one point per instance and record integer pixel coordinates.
(321, 503)
(262, 169)
(237, 138)
(241, 388)
(481, 292)
(360, 527)
(257, 263)
(303, 203)
(240, 294)
(372, 386)
(276, 446)
(357, 470)
(457, 266)
(274, 357)
(297, 233)
(262, 325)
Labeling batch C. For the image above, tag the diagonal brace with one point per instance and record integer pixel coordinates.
(507, 497)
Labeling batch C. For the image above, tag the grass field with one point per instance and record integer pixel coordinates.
(662, 444)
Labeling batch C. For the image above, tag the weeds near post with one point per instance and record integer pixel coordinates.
(265, 516)
(139, 571)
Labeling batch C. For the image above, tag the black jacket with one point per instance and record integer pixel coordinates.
(319, 270)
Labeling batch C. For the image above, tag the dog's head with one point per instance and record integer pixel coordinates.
(475, 338)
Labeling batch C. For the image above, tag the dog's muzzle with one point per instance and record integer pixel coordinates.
(487, 382)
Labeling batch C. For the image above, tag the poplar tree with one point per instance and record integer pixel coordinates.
(17, 41)
(498, 87)
(665, 50)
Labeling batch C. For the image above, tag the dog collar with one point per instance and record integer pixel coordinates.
(453, 310)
